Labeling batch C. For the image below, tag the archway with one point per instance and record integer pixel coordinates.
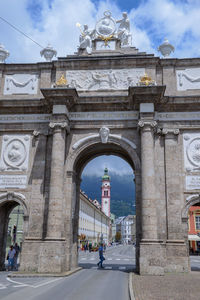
(191, 226)
(82, 154)
(107, 213)
(8, 201)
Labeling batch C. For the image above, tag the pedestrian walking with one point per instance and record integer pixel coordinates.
(17, 250)
(11, 255)
(101, 257)
(90, 247)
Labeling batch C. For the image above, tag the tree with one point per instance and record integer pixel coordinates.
(118, 236)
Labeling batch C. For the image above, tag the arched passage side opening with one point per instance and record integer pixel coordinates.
(75, 165)
(189, 213)
(8, 201)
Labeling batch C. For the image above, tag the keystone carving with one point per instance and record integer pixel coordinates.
(104, 134)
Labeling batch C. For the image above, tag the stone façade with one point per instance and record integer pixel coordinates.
(147, 127)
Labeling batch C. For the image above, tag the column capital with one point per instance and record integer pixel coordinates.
(147, 124)
(59, 125)
(170, 131)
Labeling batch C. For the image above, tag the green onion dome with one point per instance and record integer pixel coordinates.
(106, 176)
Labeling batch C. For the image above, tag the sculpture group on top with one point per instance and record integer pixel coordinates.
(106, 29)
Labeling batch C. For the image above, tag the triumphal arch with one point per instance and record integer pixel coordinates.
(108, 98)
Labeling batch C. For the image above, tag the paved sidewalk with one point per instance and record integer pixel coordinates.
(168, 287)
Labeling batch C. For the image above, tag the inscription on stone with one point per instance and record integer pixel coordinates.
(13, 181)
(192, 182)
(29, 118)
(171, 116)
(121, 115)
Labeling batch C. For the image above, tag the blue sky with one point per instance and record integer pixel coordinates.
(54, 22)
(114, 164)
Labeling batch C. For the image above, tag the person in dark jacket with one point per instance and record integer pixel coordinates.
(101, 257)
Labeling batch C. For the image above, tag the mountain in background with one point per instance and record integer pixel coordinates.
(122, 192)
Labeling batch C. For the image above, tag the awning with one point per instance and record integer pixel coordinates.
(193, 237)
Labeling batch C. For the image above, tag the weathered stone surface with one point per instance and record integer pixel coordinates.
(62, 142)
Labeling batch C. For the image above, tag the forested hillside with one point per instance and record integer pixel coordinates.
(122, 192)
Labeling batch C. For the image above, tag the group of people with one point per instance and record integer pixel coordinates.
(12, 257)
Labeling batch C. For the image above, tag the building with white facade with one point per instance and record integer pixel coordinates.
(93, 223)
(126, 227)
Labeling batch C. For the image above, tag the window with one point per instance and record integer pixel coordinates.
(105, 193)
(197, 220)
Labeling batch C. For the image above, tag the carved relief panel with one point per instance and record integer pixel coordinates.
(21, 84)
(15, 153)
(117, 79)
(188, 79)
(191, 143)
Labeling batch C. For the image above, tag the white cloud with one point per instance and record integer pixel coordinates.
(114, 164)
(178, 21)
(151, 21)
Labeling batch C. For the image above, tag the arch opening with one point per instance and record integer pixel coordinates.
(83, 157)
(12, 213)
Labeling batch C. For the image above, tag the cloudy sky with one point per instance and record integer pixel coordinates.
(54, 22)
(114, 164)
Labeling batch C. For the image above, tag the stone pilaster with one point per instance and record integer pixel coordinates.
(149, 218)
(75, 196)
(152, 256)
(176, 247)
(36, 217)
(55, 227)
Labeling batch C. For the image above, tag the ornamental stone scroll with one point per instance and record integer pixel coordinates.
(172, 131)
(147, 125)
(143, 123)
(59, 125)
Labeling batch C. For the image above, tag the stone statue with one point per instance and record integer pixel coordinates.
(123, 32)
(86, 37)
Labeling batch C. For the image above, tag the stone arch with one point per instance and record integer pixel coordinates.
(191, 200)
(119, 142)
(79, 155)
(15, 197)
(8, 201)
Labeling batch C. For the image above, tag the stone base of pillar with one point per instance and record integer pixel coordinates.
(152, 257)
(74, 256)
(157, 257)
(49, 256)
(29, 256)
(177, 256)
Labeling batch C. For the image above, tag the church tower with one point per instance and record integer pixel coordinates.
(105, 195)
